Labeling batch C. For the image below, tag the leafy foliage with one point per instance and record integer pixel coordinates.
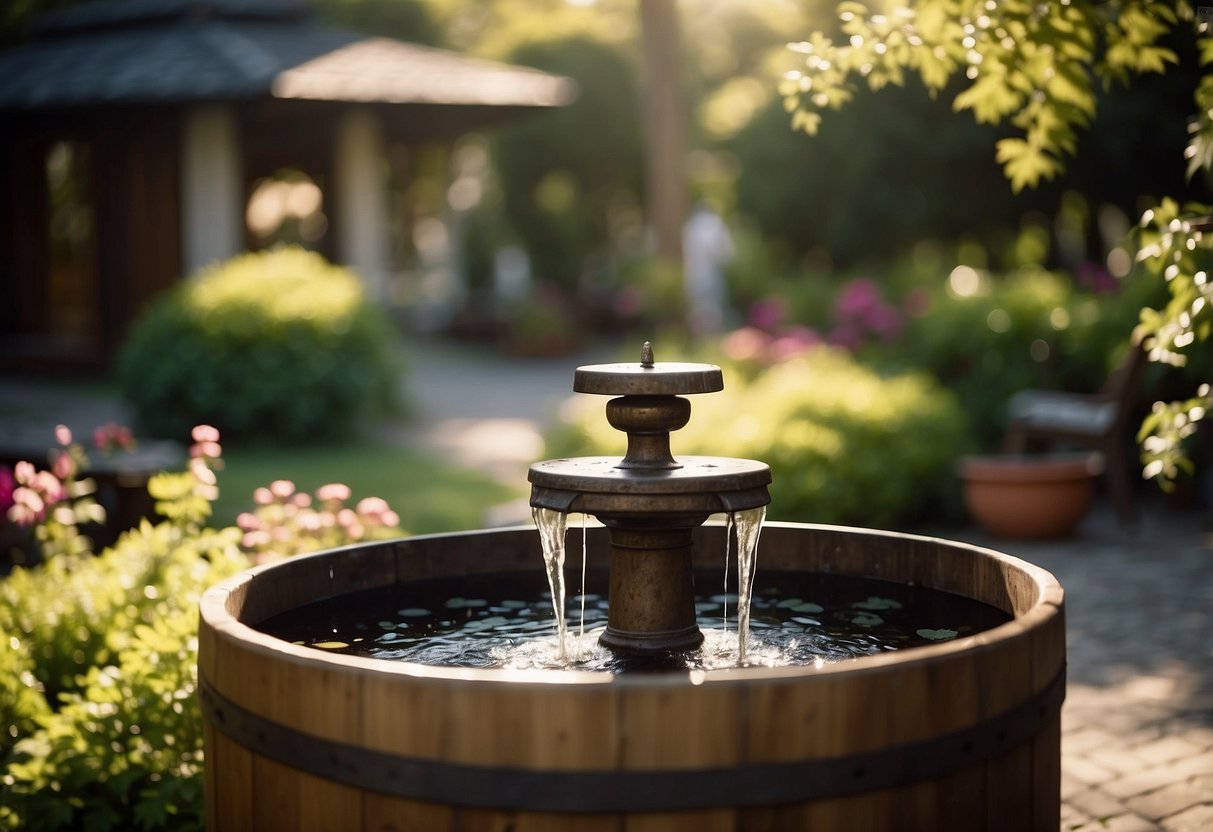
(1032, 64)
(278, 344)
(1179, 251)
(1035, 64)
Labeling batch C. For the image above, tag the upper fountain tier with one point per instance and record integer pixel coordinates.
(649, 480)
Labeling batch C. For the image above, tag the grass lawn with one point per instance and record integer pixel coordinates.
(429, 496)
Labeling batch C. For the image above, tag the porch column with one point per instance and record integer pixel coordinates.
(361, 200)
(212, 202)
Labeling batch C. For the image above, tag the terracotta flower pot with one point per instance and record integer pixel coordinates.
(1029, 496)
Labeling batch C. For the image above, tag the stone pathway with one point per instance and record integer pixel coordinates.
(1137, 725)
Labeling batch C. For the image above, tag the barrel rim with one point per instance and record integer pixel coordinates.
(215, 615)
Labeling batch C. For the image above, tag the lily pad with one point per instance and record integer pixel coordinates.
(413, 612)
(330, 645)
(936, 635)
(866, 619)
(875, 602)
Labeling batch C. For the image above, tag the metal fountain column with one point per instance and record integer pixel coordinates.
(649, 501)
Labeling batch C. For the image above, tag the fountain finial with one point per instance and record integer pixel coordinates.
(646, 354)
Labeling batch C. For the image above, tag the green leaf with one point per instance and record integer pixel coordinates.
(989, 98)
(1024, 164)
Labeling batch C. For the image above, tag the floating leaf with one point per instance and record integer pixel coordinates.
(875, 602)
(413, 612)
(330, 645)
(936, 635)
(866, 619)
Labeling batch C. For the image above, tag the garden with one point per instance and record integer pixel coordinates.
(882, 308)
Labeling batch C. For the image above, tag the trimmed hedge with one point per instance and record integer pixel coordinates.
(277, 344)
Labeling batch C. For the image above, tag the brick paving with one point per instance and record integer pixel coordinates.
(1137, 725)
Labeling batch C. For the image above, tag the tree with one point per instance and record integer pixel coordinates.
(1036, 66)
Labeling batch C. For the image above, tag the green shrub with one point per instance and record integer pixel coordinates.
(277, 343)
(845, 444)
(111, 647)
(1030, 328)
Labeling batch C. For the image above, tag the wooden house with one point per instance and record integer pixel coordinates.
(132, 133)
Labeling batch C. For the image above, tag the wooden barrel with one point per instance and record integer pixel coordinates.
(960, 735)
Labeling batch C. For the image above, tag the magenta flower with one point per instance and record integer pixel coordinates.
(856, 298)
(767, 314)
(7, 485)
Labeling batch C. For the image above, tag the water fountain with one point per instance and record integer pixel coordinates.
(962, 734)
(649, 500)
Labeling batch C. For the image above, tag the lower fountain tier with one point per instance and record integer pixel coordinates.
(703, 485)
(651, 514)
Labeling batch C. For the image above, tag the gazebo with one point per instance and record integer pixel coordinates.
(132, 133)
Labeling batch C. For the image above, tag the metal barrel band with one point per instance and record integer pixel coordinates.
(610, 791)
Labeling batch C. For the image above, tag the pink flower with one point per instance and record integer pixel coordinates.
(63, 435)
(248, 521)
(48, 485)
(340, 492)
(28, 507)
(63, 466)
(794, 342)
(262, 496)
(22, 514)
(301, 499)
(282, 489)
(745, 344)
(372, 506)
(204, 433)
(111, 435)
(202, 472)
(24, 472)
(206, 450)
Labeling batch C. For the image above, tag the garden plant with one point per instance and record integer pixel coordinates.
(98, 652)
(275, 344)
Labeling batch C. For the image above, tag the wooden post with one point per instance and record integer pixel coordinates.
(665, 131)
